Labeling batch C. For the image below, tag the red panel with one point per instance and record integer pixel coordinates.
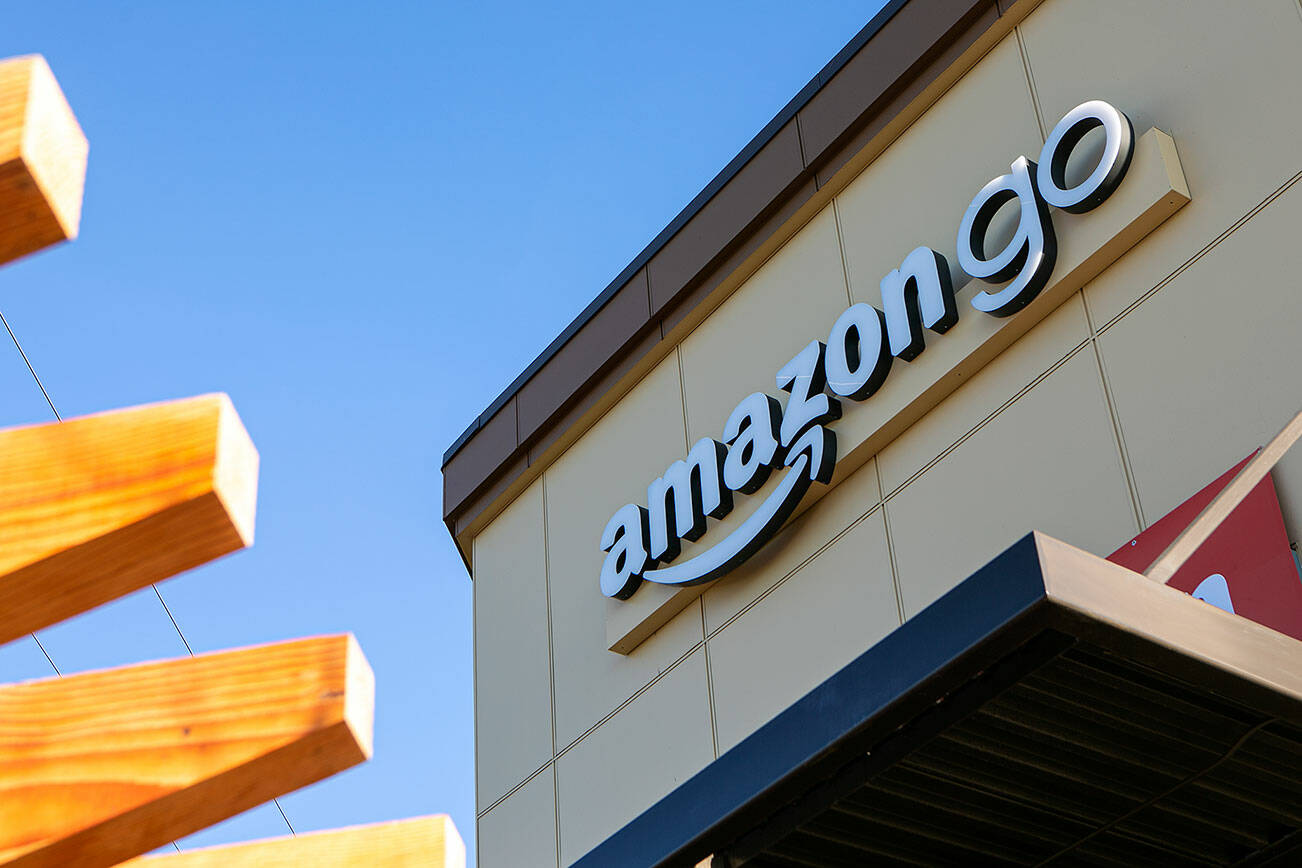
(1249, 550)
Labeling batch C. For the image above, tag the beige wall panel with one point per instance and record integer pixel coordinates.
(792, 299)
(1221, 78)
(1048, 462)
(1010, 372)
(834, 608)
(795, 544)
(1206, 369)
(513, 694)
(521, 831)
(620, 769)
(610, 466)
(916, 192)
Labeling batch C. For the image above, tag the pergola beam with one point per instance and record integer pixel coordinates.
(94, 508)
(105, 766)
(42, 160)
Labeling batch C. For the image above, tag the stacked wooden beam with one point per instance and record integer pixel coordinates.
(102, 767)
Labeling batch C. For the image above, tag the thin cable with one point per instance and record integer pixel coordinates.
(47, 656)
(39, 384)
(184, 642)
(292, 833)
(157, 593)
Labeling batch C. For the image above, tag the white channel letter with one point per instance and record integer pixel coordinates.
(1027, 259)
(624, 541)
(858, 356)
(918, 293)
(752, 433)
(808, 405)
(1118, 147)
(680, 500)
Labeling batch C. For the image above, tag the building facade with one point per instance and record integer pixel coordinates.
(1152, 343)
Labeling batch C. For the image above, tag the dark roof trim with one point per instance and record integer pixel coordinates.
(905, 48)
(1024, 608)
(729, 171)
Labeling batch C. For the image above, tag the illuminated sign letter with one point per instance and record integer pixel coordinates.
(625, 541)
(918, 294)
(752, 432)
(805, 379)
(1118, 147)
(680, 500)
(1027, 259)
(858, 355)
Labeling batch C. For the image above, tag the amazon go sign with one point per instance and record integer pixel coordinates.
(643, 543)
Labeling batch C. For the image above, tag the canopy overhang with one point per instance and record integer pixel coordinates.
(1053, 708)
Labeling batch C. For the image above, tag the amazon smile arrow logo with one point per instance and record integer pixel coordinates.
(642, 543)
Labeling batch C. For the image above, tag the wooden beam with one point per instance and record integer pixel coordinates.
(94, 508)
(42, 160)
(424, 842)
(104, 766)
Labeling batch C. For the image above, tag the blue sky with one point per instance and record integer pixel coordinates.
(361, 221)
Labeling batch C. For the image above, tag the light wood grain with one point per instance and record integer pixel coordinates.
(97, 507)
(423, 842)
(42, 160)
(104, 766)
(1170, 561)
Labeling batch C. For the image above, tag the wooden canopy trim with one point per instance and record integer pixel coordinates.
(42, 160)
(104, 766)
(97, 507)
(423, 842)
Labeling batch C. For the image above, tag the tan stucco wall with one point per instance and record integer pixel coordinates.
(1157, 376)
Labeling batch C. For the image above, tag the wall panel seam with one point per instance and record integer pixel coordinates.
(890, 548)
(985, 421)
(1206, 249)
(682, 399)
(604, 719)
(556, 809)
(709, 688)
(840, 249)
(547, 587)
(474, 670)
(515, 789)
(1030, 84)
(790, 574)
(800, 143)
(551, 664)
(1114, 416)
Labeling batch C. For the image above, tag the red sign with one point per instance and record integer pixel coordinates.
(1246, 565)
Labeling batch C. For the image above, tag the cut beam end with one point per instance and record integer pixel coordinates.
(42, 160)
(359, 701)
(235, 473)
